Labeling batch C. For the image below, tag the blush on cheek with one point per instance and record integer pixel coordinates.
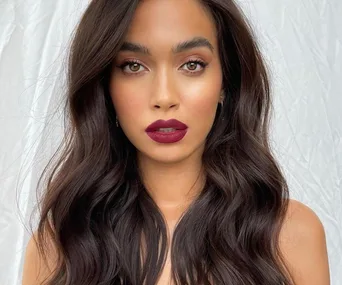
(202, 117)
(202, 98)
(206, 107)
(131, 111)
(126, 98)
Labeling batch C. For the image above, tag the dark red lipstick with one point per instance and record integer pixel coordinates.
(169, 131)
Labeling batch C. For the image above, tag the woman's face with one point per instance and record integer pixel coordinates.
(168, 78)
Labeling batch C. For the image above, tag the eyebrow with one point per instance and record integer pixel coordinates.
(180, 47)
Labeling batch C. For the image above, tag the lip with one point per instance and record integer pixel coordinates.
(172, 123)
(170, 137)
(167, 137)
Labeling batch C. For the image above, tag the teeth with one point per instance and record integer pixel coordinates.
(166, 130)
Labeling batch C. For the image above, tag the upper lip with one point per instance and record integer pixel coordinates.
(173, 123)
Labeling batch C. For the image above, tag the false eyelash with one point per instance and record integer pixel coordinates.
(128, 61)
(132, 61)
(200, 62)
(197, 61)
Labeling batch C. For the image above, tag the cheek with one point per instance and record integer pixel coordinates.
(206, 105)
(201, 103)
(201, 98)
(127, 99)
(203, 111)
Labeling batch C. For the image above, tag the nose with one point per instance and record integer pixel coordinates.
(164, 92)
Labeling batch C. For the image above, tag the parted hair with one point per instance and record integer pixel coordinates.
(95, 208)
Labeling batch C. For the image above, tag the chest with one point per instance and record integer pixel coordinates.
(165, 277)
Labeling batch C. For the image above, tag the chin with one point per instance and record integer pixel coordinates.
(171, 154)
(168, 157)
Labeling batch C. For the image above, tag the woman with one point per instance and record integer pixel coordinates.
(167, 176)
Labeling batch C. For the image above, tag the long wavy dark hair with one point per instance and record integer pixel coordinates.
(95, 207)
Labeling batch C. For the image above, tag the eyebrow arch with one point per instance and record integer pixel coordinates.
(180, 47)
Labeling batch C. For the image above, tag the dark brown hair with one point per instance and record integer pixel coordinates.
(95, 207)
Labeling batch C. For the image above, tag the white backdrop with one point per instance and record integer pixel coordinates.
(301, 40)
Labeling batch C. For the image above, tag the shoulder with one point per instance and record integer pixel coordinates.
(35, 269)
(303, 245)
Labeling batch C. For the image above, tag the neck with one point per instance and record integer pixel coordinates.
(172, 184)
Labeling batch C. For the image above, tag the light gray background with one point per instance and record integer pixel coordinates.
(301, 40)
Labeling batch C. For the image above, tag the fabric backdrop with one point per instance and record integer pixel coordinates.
(301, 40)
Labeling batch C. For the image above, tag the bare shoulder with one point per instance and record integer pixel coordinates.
(303, 245)
(36, 270)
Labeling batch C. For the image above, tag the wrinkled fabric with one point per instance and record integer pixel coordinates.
(301, 42)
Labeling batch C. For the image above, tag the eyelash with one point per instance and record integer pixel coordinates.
(133, 61)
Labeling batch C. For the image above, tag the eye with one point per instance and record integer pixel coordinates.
(133, 66)
(195, 66)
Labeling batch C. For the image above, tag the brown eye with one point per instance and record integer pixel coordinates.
(195, 66)
(192, 65)
(134, 67)
(131, 67)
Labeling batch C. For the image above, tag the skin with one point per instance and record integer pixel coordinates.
(163, 87)
(302, 243)
(160, 88)
(163, 90)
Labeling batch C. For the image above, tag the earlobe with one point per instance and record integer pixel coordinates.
(222, 96)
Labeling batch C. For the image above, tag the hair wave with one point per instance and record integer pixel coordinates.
(95, 209)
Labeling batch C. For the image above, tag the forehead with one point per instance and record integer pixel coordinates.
(163, 23)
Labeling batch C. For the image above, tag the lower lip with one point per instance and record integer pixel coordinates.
(167, 137)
